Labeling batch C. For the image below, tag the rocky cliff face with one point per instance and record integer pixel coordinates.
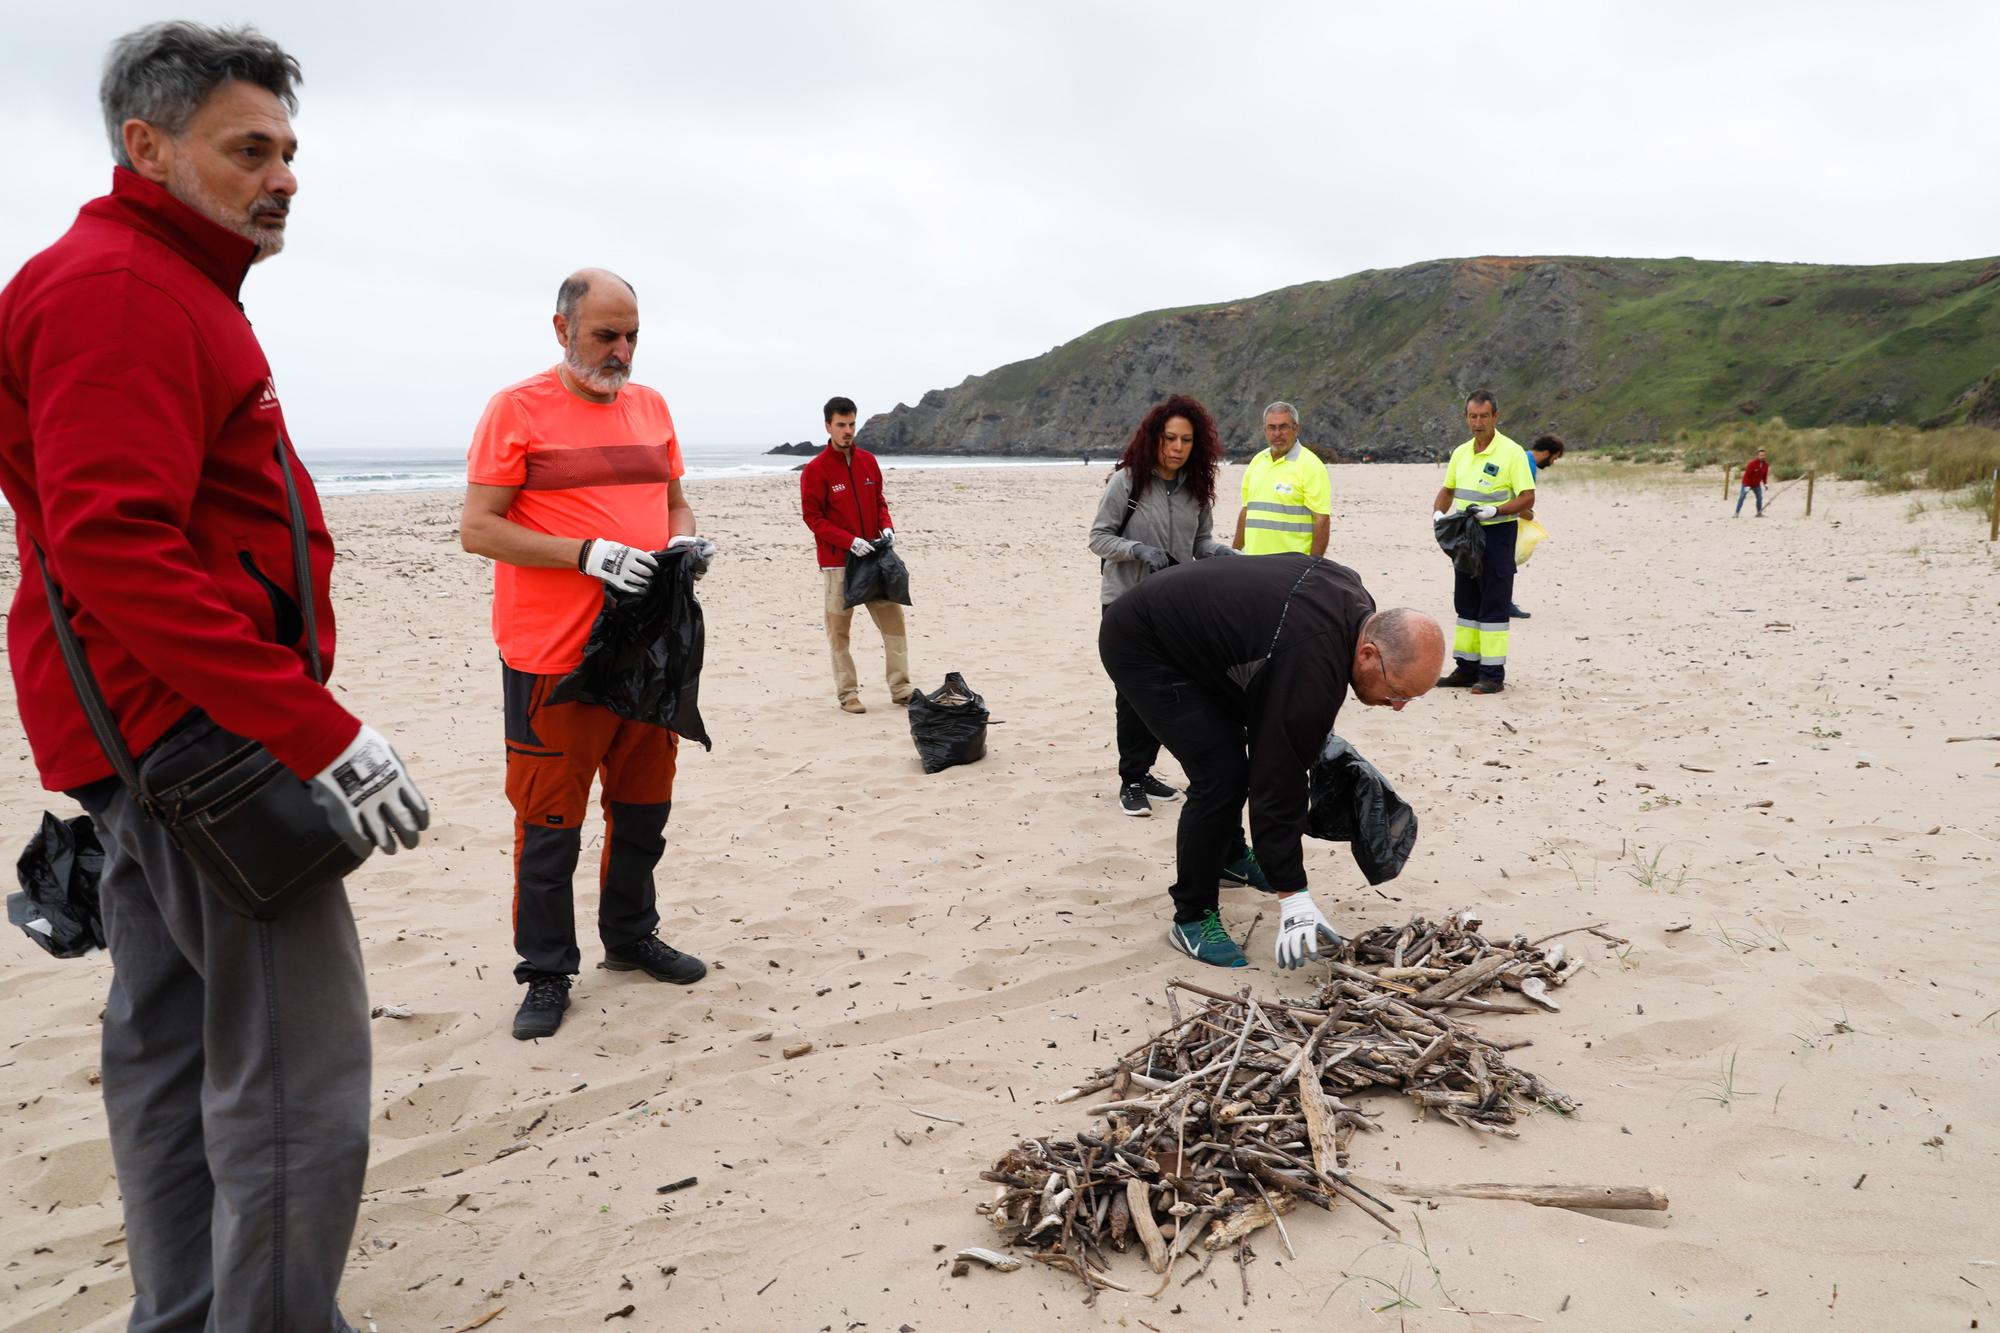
(1601, 351)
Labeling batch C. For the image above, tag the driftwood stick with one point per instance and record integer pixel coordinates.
(1643, 1198)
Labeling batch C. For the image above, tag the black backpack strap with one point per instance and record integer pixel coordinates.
(301, 561)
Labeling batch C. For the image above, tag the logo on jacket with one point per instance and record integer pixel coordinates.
(839, 486)
(268, 398)
(1491, 469)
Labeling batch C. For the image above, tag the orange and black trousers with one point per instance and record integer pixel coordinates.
(553, 753)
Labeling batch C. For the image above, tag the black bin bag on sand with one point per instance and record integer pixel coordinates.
(948, 725)
(59, 870)
(879, 576)
(1463, 538)
(1352, 802)
(643, 658)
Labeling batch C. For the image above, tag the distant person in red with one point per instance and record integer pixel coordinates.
(840, 494)
(1755, 473)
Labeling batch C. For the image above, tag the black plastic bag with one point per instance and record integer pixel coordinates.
(879, 576)
(948, 725)
(1353, 803)
(643, 659)
(1463, 538)
(59, 870)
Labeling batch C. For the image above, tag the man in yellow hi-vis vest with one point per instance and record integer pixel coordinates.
(1287, 497)
(1490, 475)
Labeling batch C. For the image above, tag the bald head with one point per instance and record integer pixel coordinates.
(597, 323)
(1399, 656)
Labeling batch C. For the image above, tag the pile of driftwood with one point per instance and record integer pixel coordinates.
(1221, 1123)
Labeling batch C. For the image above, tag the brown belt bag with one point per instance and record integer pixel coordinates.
(249, 826)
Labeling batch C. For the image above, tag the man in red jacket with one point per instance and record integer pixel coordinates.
(1755, 473)
(840, 492)
(141, 443)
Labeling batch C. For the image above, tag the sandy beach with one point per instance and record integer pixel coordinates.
(1735, 726)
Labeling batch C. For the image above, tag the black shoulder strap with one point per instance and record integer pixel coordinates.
(102, 724)
(1131, 504)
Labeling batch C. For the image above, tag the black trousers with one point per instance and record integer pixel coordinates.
(1138, 748)
(1207, 738)
(1485, 609)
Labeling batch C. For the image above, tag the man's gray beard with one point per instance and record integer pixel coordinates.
(597, 380)
(186, 187)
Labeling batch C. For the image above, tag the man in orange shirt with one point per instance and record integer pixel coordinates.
(573, 481)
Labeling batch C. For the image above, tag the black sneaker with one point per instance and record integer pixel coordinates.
(541, 1012)
(1132, 800)
(1158, 790)
(658, 960)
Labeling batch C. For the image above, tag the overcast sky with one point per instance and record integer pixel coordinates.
(878, 199)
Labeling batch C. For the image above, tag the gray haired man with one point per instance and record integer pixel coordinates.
(144, 452)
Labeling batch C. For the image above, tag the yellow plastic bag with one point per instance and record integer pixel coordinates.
(1527, 536)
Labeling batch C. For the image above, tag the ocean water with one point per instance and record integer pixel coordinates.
(349, 474)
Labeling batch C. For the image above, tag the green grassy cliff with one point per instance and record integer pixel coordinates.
(1602, 351)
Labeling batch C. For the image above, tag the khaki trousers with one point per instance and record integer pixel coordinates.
(888, 618)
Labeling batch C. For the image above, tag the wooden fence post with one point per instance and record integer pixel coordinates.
(1725, 481)
(1993, 524)
(1809, 491)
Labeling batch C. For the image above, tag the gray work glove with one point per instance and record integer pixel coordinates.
(370, 797)
(862, 547)
(1485, 512)
(1152, 557)
(1303, 932)
(622, 568)
(700, 551)
(887, 539)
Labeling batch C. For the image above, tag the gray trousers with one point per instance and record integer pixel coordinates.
(236, 1072)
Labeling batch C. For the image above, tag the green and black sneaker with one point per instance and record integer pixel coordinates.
(1206, 941)
(1245, 870)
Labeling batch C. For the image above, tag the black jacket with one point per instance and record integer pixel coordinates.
(1218, 622)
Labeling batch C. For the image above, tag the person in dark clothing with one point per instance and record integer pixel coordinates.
(1240, 668)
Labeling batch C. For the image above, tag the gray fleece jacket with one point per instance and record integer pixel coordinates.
(1173, 523)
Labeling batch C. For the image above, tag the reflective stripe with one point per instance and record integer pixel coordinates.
(1500, 628)
(1273, 525)
(1463, 623)
(1494, 661)
(1271, 506)
(1500, 496)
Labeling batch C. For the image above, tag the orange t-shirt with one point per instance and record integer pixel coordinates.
(584, 470)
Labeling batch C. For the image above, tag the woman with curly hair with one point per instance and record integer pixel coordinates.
(1158, 510)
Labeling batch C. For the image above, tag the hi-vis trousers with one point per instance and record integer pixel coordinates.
(1484, 605)
(553, 753)
(888, 617)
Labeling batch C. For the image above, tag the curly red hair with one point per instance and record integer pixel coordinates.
(1142, 452)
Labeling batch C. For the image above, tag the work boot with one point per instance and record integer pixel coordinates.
(904, 697)
(1458, 680)
(1206, 941)
(541, 1012)
(657, 959)
(1245, 870)
(1516, 612)
(1157, 789)
(852, 706)
(1488, 687)
(1132, 800)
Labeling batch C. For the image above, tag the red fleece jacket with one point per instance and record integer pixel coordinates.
(842, 499)
(1755, 471)
(138, 436)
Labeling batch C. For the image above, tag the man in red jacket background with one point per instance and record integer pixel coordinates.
(840, 492)
(1755, 473)
(141, 443)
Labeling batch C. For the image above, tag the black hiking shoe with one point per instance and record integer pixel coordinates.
(541, 1012)
(1457, 680)
(1517, 613)
(1158, 790)
(1132, 800)
(658, 960)
(1488, 687)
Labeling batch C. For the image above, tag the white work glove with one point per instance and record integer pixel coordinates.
(861, 548)
(700, 552)
(623, 568)
(1303, 933)
(888, 537)
(1484, 512)
(369, 796)
(1440, 515)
